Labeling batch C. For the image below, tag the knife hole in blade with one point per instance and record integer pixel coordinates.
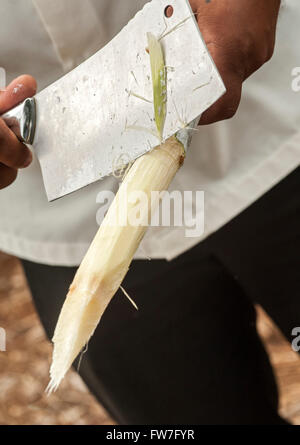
(169, 11)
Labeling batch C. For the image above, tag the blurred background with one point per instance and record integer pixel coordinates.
(24, 366)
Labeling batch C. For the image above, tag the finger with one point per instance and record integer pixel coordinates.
(227, 105)
(197, 6)
(7, 176)
(193, 4)
(13, 153)
(18, 90)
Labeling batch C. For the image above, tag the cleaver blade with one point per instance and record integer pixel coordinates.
(100, 116)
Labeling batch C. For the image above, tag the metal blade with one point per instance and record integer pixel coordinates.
(100, 116)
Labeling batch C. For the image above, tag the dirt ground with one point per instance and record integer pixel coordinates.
(24, 365)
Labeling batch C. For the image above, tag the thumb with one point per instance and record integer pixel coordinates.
(18, 90)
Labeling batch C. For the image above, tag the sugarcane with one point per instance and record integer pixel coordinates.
(108, 259)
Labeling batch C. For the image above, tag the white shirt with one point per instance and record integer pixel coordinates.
(234, 162)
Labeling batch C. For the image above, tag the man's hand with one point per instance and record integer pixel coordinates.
(240, 35)
(13, 154)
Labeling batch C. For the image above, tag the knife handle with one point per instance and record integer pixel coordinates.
(22, 120)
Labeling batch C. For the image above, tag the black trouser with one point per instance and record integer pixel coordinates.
(191, 354)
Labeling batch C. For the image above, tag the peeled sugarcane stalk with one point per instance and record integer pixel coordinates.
(110, 254)
(108, 258)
